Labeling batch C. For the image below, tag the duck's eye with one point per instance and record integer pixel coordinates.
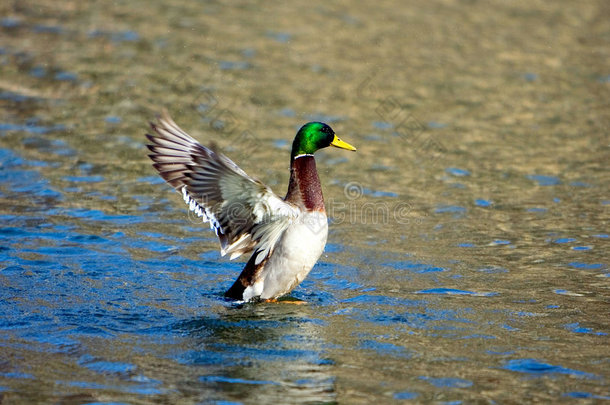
(327, 130)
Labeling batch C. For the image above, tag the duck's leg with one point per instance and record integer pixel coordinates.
(246, 278)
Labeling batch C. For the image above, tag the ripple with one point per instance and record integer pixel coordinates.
(453, 209)
(234, 65)
(84, 179)
(283, 37)
(324, 117)
(47, 29)
(287, 112)
(466, 245)
(231, 380)
(586, 395)
(66, 76)
(383, 125)
(31, 128)
(580, 184)
(544, 180)
(38, 72)
(405, 395)
(112, 119)
(453, 291)
(109, 367)
(562, 291)
(457, 172)
(378, 193)
(493, 269)
(539, 368)
(530, 77)
(498, 242)
(281, 143)
(120, 36)
(8, 22)
(539, 210)
(587, 266)
(564, 240)
(384, 300)
(16, 98)
(479, 202)
(576, 328)
(447, 382)
(385, 348)
(415, 267)
(436, 125)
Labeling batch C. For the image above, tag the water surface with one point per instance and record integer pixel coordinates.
(467, 255)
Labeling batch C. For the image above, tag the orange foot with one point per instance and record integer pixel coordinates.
(284, 301)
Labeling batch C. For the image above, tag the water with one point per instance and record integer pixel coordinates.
(467, 257)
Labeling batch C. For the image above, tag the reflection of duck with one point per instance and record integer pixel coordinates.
(286, 236)
(261, 353)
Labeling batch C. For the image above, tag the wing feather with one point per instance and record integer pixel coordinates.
(245, 214)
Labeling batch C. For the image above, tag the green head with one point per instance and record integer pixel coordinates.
(313, 136)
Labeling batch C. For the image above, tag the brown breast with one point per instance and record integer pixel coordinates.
(304, 188)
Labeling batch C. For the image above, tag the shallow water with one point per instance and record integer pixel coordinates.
(467, 256)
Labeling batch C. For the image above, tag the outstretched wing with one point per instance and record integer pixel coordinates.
(244, 212)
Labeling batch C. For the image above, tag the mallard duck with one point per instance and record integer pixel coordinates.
(285, 235)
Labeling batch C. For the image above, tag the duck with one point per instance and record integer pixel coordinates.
(285, 237)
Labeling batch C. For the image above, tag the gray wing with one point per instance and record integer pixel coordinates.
(244, 212)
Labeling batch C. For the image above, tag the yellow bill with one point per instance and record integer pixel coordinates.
(338, 143)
